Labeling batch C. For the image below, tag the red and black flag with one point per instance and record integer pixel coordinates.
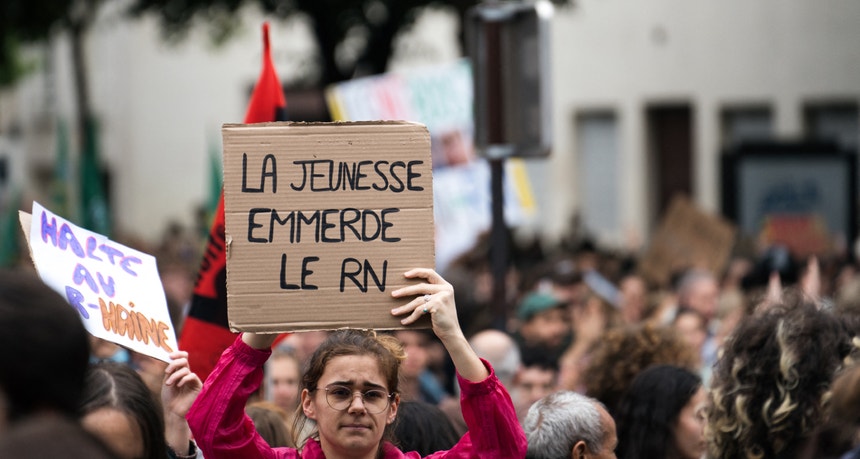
(205, 333)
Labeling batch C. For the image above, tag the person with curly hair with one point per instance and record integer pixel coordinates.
(845, 408)
(661, 415)
(624, 352)
(772, 382)
(840, 436)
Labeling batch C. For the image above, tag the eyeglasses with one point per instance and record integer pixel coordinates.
(340, 397)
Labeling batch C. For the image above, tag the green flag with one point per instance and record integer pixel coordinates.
(215, 178)
(95, 215)
(9, 231)
(59, 187)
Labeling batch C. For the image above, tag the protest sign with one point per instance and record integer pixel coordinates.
(116, 289)
(687, 238)
(441, 98)
(322, 220)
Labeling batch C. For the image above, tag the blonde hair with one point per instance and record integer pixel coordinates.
(772, 381)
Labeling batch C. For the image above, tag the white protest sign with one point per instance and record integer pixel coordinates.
(441, 98)
(116, 289)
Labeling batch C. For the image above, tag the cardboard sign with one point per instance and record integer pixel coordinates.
(687, 238)
(322, 220)
(116, 289)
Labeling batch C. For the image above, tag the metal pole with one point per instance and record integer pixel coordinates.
(495, 136)
(499, 246)
(512, 108)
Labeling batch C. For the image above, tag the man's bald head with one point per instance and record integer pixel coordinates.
(500, 350)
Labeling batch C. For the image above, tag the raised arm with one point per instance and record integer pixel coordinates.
(259, 341)
(435, 296)
(494, 431)
(178, 392)
(217, 418)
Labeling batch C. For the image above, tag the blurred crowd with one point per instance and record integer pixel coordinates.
(756, 361)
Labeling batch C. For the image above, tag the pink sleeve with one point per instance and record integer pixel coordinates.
(494, 432)
(217, 418)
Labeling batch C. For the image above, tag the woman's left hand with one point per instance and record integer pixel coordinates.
(435, 297)
(181, 385)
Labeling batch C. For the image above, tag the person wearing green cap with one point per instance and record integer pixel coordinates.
(544, 330)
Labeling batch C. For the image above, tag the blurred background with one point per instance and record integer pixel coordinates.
(736, 114)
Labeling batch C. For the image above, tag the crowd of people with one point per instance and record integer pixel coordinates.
(594, 360)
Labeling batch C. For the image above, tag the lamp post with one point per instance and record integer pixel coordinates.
(508, 44)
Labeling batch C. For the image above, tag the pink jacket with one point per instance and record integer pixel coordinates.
(223, 430)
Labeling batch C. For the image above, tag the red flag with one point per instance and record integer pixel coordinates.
(205, 333)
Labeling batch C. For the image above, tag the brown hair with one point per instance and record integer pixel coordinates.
(45, 347)
(385, 348)
(270, 421)
(625, 351)
(772, 381)
(117, 386)
(843, 413)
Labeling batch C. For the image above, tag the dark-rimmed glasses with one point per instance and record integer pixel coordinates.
(340, 397)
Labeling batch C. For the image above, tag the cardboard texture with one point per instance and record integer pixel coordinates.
(25, 219)
(322, 220)
(687, 237)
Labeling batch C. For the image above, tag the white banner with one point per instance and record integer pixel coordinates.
(116, 289)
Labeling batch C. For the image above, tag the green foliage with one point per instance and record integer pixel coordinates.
(12, 66)
(378, 21)
(31, 21)
(10, 247)
(95, 210)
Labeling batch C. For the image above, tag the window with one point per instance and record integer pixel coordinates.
(670, 150)
(837, 121)
(744, 124)
(597, 144)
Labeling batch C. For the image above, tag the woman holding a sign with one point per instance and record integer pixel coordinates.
(350, 391)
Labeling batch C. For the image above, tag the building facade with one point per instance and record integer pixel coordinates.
(646, 96)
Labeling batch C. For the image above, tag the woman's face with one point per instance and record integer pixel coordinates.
(353, 431)
(117, 430)
(693, 329)
(416, 353)
(284, 376)
(689, 430)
